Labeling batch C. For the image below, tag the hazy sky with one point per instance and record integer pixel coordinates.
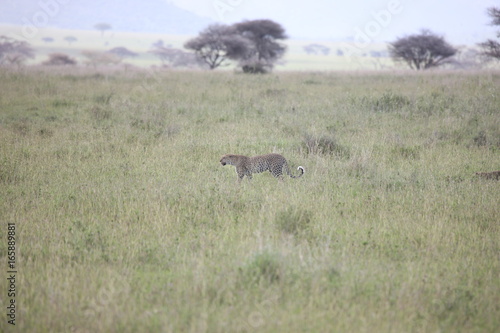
(459, 21)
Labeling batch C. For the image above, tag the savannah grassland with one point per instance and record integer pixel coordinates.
(127, 222)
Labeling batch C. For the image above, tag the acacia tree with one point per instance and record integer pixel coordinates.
(70, 39)
(123, 52)
(254, 44)
(14, 52)
(491, 48)
(422, 51)
(217, 44)
(102, 27)
(266, 50)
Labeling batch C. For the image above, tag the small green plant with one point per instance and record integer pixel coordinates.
(264, 266)
(61, 103)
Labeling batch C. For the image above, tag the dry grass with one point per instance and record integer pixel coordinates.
(127, 222)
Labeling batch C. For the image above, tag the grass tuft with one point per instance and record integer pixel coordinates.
(390, 102)
(294, 221)
(325, 145)
(265, 266)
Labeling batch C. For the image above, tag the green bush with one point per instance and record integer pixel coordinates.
(264, 266)
(390, 102)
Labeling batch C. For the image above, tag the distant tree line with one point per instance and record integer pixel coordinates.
(172, 57)
(255, 46)
(427, 50)
(317, 49)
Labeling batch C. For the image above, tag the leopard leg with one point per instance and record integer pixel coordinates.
(241, 174)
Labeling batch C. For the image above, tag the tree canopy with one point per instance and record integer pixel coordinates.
(123, 52)
(14, 52)
(422, 51)
(102, 27)
(217, 44)
(254, 44)
(59, 59)
(491, 48)
(172, 57)
(264, 36)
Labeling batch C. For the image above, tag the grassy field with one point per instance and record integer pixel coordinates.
(126, 221)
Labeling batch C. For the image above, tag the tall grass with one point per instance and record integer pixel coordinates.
(127, 222)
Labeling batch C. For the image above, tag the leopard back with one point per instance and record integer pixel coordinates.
(271, 162)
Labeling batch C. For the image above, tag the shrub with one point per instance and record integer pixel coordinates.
(324, 145)
(263, 266)
(390, 102)
(59, 59)
(293, 221)
(255, 67)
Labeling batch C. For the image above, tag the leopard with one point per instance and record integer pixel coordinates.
(246, 166)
